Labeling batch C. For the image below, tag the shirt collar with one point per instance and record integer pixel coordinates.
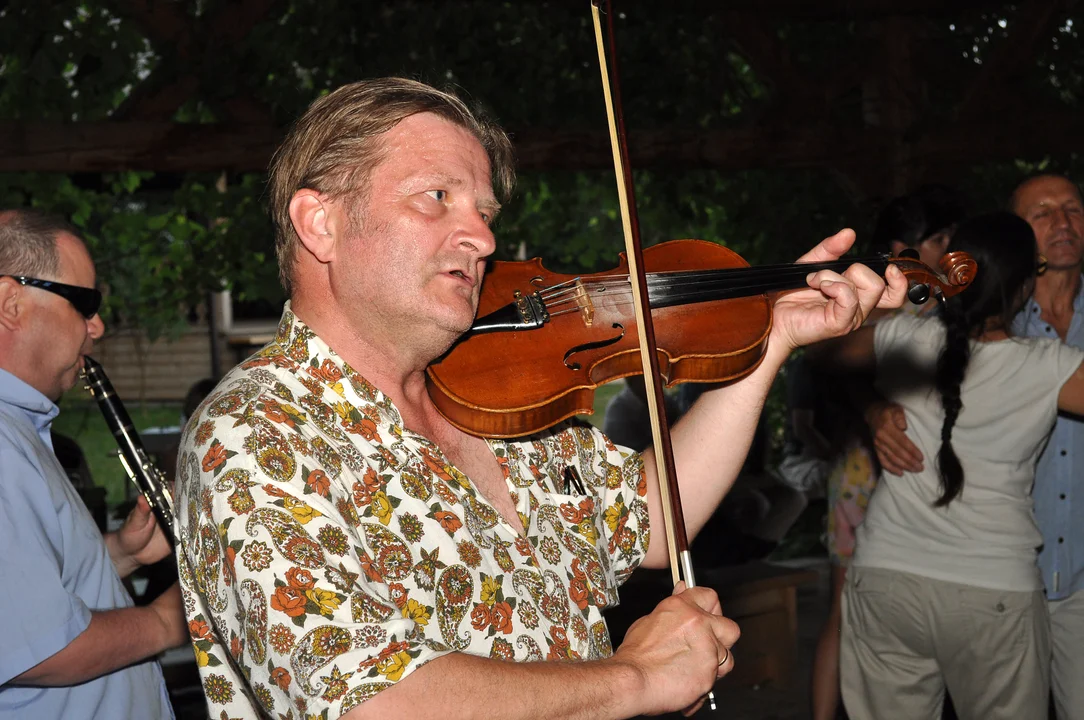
(39, 409)
(1031, 305)
(315, 358)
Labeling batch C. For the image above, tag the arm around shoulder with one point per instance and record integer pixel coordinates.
(1071, 397)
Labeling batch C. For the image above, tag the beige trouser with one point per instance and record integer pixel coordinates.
(1067, 670)
(905, 638)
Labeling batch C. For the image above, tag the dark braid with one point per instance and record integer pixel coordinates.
(1003, 246)
(951, 366)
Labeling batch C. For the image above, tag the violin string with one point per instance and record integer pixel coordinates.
(677, 298)
(721, 276)
(683, 286)
(675, 293)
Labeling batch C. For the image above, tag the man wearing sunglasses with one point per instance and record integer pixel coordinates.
(74, 645)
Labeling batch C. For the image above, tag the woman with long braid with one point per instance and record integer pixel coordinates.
(943, 589)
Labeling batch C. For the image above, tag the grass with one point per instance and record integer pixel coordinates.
(81, 420)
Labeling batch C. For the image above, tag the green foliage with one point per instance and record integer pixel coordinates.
(158, 254)
(82, 421)
(163, 242)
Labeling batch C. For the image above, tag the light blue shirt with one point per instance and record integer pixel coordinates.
(55, 569)
(1059, 477)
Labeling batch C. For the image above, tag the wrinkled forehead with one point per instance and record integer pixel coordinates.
(1046, 191)
(76, 265)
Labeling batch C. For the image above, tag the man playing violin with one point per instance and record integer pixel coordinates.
(346, 552)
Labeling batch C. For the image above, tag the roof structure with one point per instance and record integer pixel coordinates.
(884, 92)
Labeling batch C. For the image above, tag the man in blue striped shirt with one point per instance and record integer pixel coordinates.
(1052, 206)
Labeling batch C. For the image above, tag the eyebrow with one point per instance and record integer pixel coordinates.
(489, 204)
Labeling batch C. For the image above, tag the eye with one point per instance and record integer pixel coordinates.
(438, 195)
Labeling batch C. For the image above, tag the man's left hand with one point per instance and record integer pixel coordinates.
(834, 304)
(139, 541)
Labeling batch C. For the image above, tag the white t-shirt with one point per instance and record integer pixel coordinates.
(987, 536)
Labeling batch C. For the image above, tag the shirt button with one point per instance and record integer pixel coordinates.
(1000, 607)
(1064, 453)
(1048, 328)
(1061, 497)
(1061, 540)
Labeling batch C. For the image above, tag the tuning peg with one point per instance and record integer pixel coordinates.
(918, 293)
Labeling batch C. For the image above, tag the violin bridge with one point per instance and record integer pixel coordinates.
(583, 301)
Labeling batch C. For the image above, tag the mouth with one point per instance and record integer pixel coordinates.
(462, 276)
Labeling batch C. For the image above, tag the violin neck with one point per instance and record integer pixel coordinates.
(667, 289)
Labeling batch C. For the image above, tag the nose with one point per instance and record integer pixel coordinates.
(95, 327)
(1061, 218)
(476, 236)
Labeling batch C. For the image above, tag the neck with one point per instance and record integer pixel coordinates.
(395, 367)
(1055, 290)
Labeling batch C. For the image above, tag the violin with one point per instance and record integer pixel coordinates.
(543, 342)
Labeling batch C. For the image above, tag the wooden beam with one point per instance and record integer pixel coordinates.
(177, 147)
(842, 10)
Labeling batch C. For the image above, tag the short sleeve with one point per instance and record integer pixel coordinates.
(889, 333)
(40, 617)
(302, 588)
(1067, 359)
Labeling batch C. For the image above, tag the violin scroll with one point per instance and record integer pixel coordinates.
(957, 270)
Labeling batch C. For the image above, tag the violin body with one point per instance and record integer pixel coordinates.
(515, 383)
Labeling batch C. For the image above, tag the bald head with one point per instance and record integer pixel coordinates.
(28, 243)
(1026, 192)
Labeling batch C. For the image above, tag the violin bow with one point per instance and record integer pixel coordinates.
(677, 541)
(681, 566)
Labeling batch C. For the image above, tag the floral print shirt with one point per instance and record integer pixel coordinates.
(326, 551)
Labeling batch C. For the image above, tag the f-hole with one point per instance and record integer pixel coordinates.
(592, 346)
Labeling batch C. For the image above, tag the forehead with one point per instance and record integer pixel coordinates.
(76, 264)
(1046, 191)
(426, 145)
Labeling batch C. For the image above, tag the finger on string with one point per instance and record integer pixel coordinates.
(869, 286)
(895, 294)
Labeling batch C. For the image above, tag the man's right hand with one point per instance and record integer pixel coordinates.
(895, 451)
(677, 649)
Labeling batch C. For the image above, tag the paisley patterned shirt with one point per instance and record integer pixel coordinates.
(326, 552)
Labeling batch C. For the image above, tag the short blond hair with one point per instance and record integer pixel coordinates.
(334, 147)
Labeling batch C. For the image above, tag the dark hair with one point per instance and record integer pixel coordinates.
(1003, 246)
(28, 243)
(196, 395)
(913, 218)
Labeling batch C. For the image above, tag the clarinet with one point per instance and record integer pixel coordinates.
(147, 477)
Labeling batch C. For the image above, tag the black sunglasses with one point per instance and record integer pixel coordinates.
(85, 300)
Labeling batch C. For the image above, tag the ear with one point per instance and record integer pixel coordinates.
(12, 304)
(897, 246)
(312, 216)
